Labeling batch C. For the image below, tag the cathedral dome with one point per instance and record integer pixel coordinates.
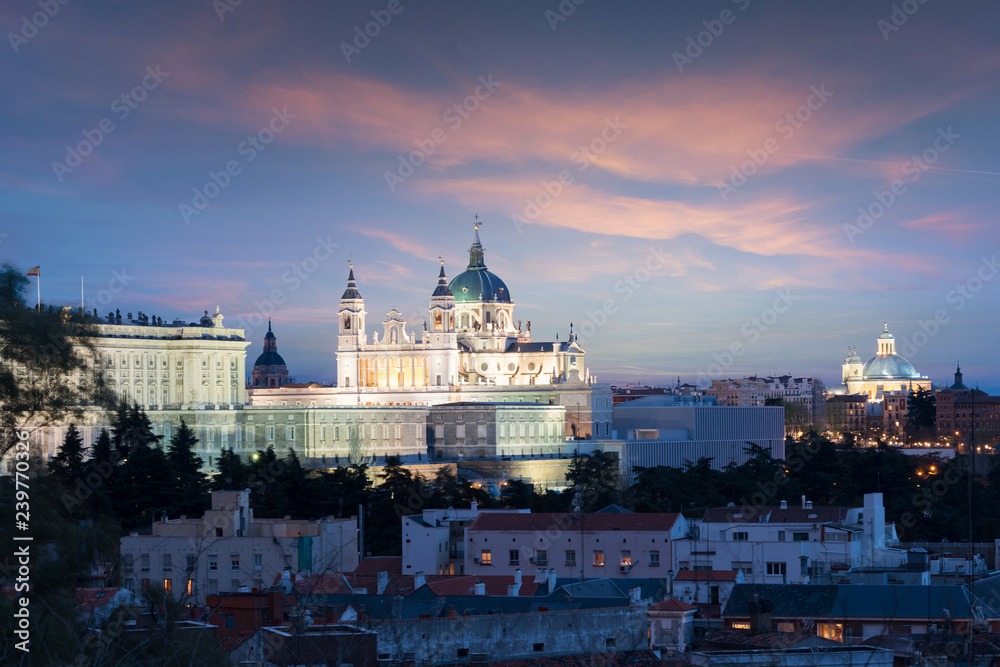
(479, 285)
(888, 366)
(476, 283)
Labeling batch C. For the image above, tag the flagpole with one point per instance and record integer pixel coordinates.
(39, 284)
(81, 291)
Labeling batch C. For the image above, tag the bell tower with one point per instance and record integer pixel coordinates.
(351, 338)
(442, 308)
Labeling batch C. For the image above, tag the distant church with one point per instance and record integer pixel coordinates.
(269, 370)
(885, 372)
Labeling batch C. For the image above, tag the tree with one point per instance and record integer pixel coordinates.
(68, 466)
(358, 453)
(597, 477)
(144, 486)
(192, 486)
(47, 368)
(921, 416)
(232, 472)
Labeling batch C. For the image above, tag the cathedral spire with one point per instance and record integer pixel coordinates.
(442, 286)
(476, 252)
(352, 286)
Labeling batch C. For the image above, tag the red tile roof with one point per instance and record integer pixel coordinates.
(671, 604)
(659, 522)
(706, 575)
(375, 564)
(231, 640)
(775, 514)
(339, 583)
(496, 584)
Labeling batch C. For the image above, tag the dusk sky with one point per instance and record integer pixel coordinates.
(668, 176)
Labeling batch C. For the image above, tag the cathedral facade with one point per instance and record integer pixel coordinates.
(469, 338)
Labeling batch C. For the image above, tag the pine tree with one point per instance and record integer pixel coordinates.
(68, 465)
(232, 472)
(191, 493)
(145, 486)
(102, 474)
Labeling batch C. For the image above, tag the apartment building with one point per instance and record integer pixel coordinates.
(790, 544)
(587, 545)
(229, 550)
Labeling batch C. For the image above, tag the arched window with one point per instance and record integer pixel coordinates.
(487, 319)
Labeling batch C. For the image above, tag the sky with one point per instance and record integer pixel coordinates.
(704, 189)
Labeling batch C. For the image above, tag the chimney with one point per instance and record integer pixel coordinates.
(784, 504)
(480, 589)
(475, 506)
(760, 615)
(517, 576)
(803, 501)
(809, 504)
(452, 612)
(513, 590)
(383, 581)
(418, 580)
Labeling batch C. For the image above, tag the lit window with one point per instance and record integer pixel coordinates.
(599, 558)
(168, 586)
(486, 557)
(834, 631)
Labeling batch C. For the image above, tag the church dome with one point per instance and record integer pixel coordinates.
(476, 283)
(270, 356)
(888, 366)
(479, 285)
(269, 359)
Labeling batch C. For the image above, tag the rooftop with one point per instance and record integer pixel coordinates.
(658, 522)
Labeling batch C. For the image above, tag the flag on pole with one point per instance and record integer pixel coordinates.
(37, 271)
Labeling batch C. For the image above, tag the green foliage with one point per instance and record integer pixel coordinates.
(921, 416)
(46, 369)
(192, 495)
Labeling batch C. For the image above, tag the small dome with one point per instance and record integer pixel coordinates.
(269, 359)
(890, 367)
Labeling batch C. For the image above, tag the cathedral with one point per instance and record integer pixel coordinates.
(469, 338)
(470, 348)
(883, 373)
